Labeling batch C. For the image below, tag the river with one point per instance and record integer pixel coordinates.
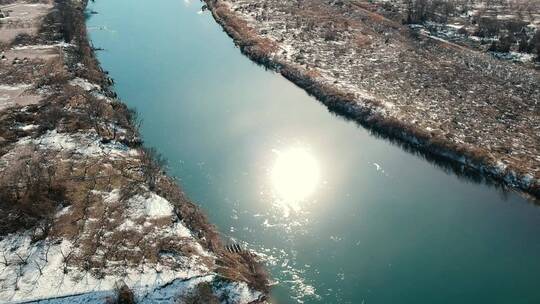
(340, 215)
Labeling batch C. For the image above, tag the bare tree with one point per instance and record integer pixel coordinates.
(152, 163)
(536, 44)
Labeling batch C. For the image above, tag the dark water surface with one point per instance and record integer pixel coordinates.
(342, 216)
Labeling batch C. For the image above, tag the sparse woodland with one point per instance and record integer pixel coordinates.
(503, 26)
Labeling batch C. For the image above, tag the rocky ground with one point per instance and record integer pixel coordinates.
(87, 214)
(433, 95)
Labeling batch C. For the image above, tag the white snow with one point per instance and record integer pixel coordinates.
(111, 197)
(37, 271)
(127, 225)
(501, 166)
(86, 144)
(180, 230)
(455, 26)
(237, 292)
(64, 211)
(22, 280)
(29, 127)
(101, 97)
(17, 87)
(150, 205)
(42, 46)
(84, 84)
(174, 290)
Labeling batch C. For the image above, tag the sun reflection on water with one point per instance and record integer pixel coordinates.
(293, 178)
(295, 175)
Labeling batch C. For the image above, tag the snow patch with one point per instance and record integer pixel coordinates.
(84, 84)
(150, 205)
(38, 271)
(42, 46)
(29, 127)
(17, 87)
(64, 211)
(175, 290)
(86, 144)
(236, 292)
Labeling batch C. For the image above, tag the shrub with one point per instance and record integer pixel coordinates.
(29, 194)
(503, 45)
(124, 295)
(152, 163)
(536, 43)
(202, 293)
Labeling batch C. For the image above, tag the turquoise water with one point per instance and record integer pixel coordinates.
(340, 215)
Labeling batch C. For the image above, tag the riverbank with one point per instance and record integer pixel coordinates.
(87, 211)
(436, 97)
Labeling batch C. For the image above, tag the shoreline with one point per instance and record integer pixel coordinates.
(209, 235)
(111, 211)
(366, 111)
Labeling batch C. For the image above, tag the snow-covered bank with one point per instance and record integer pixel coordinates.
(87, 212)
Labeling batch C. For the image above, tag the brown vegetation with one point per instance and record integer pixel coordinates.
(29, 194)
(62, 191)
(124, 295)
(257, 46)
(73, 27)
(202, 293)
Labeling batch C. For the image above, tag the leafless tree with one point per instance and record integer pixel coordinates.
(152, 164)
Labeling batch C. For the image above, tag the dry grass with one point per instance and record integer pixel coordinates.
(260, 47)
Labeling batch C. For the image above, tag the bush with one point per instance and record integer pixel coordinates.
(419, 11)
(152, 163)
(488, 27)
(124, 295)
(202, 293)
(535, 42)
(503, 45)
(73, 27)
(29, 194)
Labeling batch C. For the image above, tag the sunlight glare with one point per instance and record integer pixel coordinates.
(295, 174)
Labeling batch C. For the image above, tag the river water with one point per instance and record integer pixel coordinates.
(340, 215)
